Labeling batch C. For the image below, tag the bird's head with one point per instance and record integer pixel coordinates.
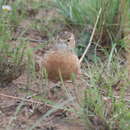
(66, 38)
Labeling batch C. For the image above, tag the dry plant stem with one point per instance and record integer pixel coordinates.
(76, 92)
(44, 88)
(62, 82)
(90, 41)
(46, 81)
(18, 98)
(68, 92)
(31, 101)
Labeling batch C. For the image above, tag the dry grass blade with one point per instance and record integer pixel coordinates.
(90, 41)
(33, 101)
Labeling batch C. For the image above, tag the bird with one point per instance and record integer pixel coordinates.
(61, 61)
(9, 71)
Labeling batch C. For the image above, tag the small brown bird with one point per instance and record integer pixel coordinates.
(61, 58)
(9, 72)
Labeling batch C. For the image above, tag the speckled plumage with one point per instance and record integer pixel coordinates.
(61, 59)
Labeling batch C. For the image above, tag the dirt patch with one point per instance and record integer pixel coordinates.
(12, 96)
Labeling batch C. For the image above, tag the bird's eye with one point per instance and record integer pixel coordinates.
(68, 40)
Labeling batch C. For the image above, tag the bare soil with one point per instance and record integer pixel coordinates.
(33, 109)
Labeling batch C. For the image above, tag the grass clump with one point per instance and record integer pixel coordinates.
(105, 112)
(11, 58)
(83, 13)
(105, 106)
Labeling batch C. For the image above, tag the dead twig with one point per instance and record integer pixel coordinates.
(18, 98)
(34, 102)
(90, 41)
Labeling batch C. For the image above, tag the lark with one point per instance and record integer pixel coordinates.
(61, 61)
